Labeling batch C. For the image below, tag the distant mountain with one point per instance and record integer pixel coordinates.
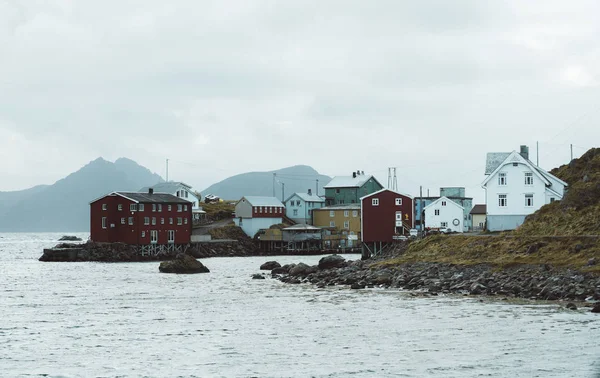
(64, 206)
(298, 178)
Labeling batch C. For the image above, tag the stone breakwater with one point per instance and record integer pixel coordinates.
(104, 252)
(532, 281)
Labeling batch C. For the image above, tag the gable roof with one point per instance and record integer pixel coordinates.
(493, 161)
(442, 199)
(479, 209)
(350, 182)
(386, 190)
(354, 206)
(515, 157)
(263, 201)
(146, 197)
(307, 197)
(167, 187)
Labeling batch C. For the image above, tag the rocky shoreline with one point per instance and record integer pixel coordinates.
(540, 282)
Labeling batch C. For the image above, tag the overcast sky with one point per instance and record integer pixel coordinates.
(226, 87)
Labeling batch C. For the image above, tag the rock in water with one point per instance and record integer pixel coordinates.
(270, 265)
(183, 264)
(69, 238)
(258, 277)
(333, 261)
(596, 309)
(571, 306)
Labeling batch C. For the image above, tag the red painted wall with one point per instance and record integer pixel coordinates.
(277, 212)
(132, 234)
(379, 222)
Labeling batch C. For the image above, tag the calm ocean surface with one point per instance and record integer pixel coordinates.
(127, 320)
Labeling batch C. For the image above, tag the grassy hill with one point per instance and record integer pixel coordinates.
(563, 233)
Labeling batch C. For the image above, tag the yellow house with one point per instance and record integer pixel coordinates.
(342, 224)
(478, 215)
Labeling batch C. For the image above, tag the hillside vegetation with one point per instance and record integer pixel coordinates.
(563, 234)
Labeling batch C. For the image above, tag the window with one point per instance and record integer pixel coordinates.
(170, 220)
(295, 211)
(153, 236)
(171, 236)
(120, 207)
(153, 207)
(502, 178)
(260, 209)
(346, 213)
(552, 199)
(162, 220)
(168, 207)
(131, 221)
(443, 203)
(528, 200)
(354, 213)
(154, 221)
(292, 203)
(515, 164)
(528, 178)
(331, 224)
(347, 224)
(133, 207)
(436, 211)
(444, 224)
(184, 207)
(398, 201)
(143, 234)
(185, 220)
(179, 208)
(375, 202)
(331, 213)
(146, 221)
(398, 215)
(141, 207)
(104, 206)
(103, 222)
(298, 203)
(122, 220)
(270, 210)
(186, 194)
(502, 200)
(177, 193)
(337, 191)
(159, 208)
(179, 221)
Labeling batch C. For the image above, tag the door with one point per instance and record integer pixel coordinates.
(171, 236)
(153, 237)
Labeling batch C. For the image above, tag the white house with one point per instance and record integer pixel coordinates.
(299, 206)
(515, 187)
(257, 213)
(180, 190)
(444, 213)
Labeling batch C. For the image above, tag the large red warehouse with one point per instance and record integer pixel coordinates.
(143, 219)
(384, 215)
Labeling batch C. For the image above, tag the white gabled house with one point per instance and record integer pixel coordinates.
(299, 206)
(253, 213)
(444, 213)
(515, 188)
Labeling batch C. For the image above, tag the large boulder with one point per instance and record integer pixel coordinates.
(183, 264)
(69, 238)
(596, 309)
(333, 261)
(270, 265)
(300, 269)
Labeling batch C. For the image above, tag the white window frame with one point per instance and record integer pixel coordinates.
(171, 236)
(184, 207)
(270, 209)
(130, 221)
(170, 220)
(528, 178)
(162, 220)
(443, 224)
(502, 200)
(143, 234)
(375, 202)
(120, 207)
(502, 180)
(295, 212)
(347, 224)
(122, 220)
(436, 212)
(168, 207)
(529, 200)
(153, 237)
(154, 221)
(146, 221)
(179, 221)
(354, 213)
(331, 213)
(398, 201)
(398, 215)
(133, 207)
(154, 208)
(159, 207)
(185, 221)
(104, 207)
(331, 223)
(179, 208)
(346, 213)
(141, 207)
(443, 203)
(103, 222)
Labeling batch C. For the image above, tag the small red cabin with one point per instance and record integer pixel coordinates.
(385, 215)
(141, 219)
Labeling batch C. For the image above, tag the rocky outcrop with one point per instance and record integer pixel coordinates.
(333, 261)
(270, 265)
(183, 264)
(258, 277)
(69, 238)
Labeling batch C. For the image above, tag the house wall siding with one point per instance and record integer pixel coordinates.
(504, 222)
(477, 220)
(379, 222)
(304, 209)
(322, 218)
(251, 226)
(448, 214)
(348, 196)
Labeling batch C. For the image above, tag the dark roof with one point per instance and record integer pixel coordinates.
(152, 198)
(479, 209)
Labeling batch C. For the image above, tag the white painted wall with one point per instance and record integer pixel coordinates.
(448, 214)
(303, 209)
(251, 226)
(243, 209)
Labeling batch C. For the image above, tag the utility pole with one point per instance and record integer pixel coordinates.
(571, 152)
(282, 191)
(317, 188)
(421, 222)
(389, 178)
(167, 170)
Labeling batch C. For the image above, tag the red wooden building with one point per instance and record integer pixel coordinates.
(155, 221)
(385, 215)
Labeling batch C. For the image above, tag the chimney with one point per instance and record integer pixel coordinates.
(353, 174)
(309, 192)
(362, 173)
(151, 191)
(525, 152)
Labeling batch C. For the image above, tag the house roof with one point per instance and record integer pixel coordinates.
(349, 181)
(384, 190)
(353, 206)
(167, 187)
(147, 198)
(302, 227)
(515, 157)
(493, 161)
(479, 209)
(263, 201)
(441, 199)
(307, 197)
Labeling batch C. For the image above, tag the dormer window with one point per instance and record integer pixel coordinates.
(502, 178)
